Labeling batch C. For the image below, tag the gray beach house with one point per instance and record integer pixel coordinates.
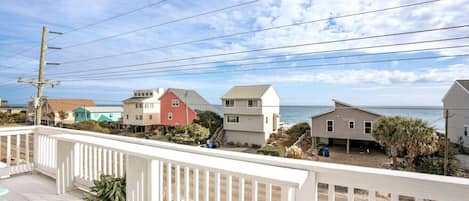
(343, 124)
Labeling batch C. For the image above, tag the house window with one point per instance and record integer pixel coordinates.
(136, 105)
(252, 103)
(232, 119)
(135, 94)
(367, 127)
(175, 103)
(151, 93)
(266, 120)
(146, 94)
(330, 125)
(127, 116)
(150, 117)
(141, 105)
(351, 124)
(136, 117)
(229, 103)
(141, 117)
(465, 130)
(170, 116)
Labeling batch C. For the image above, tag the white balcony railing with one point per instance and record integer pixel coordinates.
(164, 171)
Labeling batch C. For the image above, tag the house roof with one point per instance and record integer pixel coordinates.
(135, 99)
(464, 84)
(103, 109)
(192, 99)
(66, 105)
(347, 106)
(246, 92)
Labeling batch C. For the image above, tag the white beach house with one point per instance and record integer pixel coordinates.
(251, 114)
(142, 110)
(456, 102)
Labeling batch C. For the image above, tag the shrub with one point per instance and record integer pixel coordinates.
(298, 129)
(295, 152)
(210, 120)
(90, 125)
(107, 188)
(272, 151)
(433, 163)
(193, 133)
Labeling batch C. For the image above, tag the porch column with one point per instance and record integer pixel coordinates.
(65, 166)
(348, 146)
(142, 179)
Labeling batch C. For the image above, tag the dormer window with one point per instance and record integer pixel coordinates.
(465, 130)
(175, 103)
(229, 103)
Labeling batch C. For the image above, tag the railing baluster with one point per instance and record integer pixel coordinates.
(9, 151)
(27, 149)
(350, 194)
(81, 160)
(121, 164)
(178, 182)
(95, 162)
(254, 187)
(1, 148)
(85, 165)
(331, 192)
(217, 186)
(371, 195)
(100, 161)
(109, 162)
(394, 197)
(229, 188)
(115, 164)
(268, 192)
(161, 180)
(241, 189)
(196, 184)
(287, 193)
(18, 149)
(168, 182)
(186, 183)
(207, 185)
(105, 161)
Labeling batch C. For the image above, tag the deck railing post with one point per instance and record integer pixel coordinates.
(65, 166)
(308, 191)
(142, 179)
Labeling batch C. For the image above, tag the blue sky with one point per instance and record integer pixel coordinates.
(422, 82)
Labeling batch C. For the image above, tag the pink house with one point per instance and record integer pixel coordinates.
(179, 107)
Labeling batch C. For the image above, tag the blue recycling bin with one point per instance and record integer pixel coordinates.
(326, 151)
(211, 146)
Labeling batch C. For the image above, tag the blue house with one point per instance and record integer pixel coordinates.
(100, 114)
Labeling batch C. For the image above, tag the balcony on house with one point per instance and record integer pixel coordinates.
(65, 162)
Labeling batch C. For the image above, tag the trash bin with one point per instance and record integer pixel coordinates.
(326, 151)
(211, 146)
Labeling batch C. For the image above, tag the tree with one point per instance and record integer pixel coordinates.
(295, 152)
(419, 138)
(298, 129)
(6, 118)
(434, 163)
(62, 115)
(210, 120)
(387, 131)
(195, 133)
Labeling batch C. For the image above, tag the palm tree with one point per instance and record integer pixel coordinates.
(420, 138)
(386, 131)
(62, 115)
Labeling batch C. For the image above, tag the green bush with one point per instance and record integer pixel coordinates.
(433, 163)
(90, 125)
(210, 120)
(191, 134)
(272, 151)
(107, 188)
(298, 129)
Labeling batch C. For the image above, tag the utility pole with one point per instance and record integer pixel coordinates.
(445, 168)
(40, 82)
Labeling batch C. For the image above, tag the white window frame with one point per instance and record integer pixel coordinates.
(232, 116)
(354, 125)
(254, 103)
(229, 105)
(364, 127)
(170, 116)
(175, 103)
(327, 126)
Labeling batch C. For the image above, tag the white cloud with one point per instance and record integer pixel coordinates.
(367, 76)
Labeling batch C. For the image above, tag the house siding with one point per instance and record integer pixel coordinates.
(341, 117)
(455, 99)
(179, 113)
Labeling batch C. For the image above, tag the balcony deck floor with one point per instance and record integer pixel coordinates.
(35, 187)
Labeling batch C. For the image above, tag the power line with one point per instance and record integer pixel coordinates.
(276, 48)
(19, 53)
(252, 31)
(174, 68)
(161, 24)
(276, 68)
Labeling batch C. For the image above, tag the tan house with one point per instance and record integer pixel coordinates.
(251, 114)
(456, 101)
(142, 110)
(343, 124)
(51, 109)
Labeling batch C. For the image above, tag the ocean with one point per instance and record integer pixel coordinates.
(432, 114)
